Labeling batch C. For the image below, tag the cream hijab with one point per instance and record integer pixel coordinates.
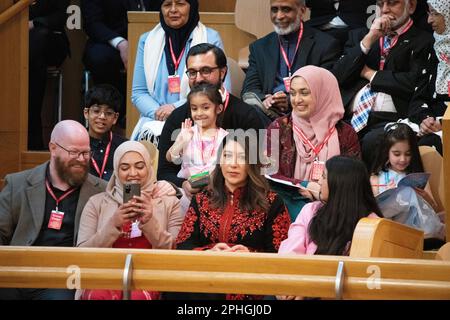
(115, 188)
(442, 46)
(328, 111)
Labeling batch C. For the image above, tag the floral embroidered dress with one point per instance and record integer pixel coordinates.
(258, 230)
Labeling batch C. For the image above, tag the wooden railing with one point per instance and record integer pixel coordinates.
(249, 273)
(14, 10)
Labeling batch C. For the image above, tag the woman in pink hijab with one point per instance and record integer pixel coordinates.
(313, 133)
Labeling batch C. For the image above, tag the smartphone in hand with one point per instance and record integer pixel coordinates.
(130, 190)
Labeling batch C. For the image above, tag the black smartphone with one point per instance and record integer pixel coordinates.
(130, 190)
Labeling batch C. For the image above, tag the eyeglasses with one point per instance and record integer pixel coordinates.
(76, 154)
(204, 72)
(97, 111)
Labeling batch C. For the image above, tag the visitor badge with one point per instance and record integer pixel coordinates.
(317, 170)
(287, 83)
(135, 231)
(56, 219)
(174, 84)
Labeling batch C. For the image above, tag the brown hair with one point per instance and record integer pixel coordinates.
(257, 187)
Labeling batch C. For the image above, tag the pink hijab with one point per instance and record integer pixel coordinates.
(328, 111)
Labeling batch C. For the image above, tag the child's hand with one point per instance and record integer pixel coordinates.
(186, 132)
(426, 196)
(391, 184)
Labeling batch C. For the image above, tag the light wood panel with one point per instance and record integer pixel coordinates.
(444, 252)
(250, 273)
(140, 22)
(446, 148)
(386, 239)
(14, 91)
(432, 163)
(216, 6)
(260, 24)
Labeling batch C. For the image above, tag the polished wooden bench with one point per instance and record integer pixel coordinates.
(356, 277)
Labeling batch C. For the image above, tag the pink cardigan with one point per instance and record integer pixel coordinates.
(298, 240)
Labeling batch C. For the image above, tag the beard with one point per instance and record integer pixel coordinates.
(294, 26)
(64, 172)
(397, 23)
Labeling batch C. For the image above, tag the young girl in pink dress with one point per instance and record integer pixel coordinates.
(196, 146)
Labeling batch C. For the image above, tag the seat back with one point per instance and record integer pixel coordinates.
(444, 252)
(259, 10)
(154, 154)
(383, 238)
(237, 76)
(433, 163)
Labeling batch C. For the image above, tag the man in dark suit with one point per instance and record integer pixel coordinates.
(106, 52)
(380, 69)
(338, 17)
(205, 63)
(274, 58)
(42, 206)
(49, 46)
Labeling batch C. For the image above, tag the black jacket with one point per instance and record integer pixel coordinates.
(404, 68)
(107, 19)
(237, 115)
(49, 13)
(316, 48)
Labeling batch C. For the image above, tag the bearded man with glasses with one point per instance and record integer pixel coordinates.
(274, 58)
(42, 206)
(380, 71)
(205, 63)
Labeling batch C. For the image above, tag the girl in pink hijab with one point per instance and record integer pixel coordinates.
(310, 135)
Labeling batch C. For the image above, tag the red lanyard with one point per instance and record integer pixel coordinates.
(176, 61)
(227, 100)
(385, 52)
(58, 200)
(306, 141)
(105, 158)
(283, 53)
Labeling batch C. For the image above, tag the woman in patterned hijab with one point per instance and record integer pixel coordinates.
(433, 92)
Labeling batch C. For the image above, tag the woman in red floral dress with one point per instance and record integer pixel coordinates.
(238, 213)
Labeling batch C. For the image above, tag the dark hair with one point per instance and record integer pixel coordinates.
(202, 48)
(397, 132)
(211, 92)
(254, 195)
(350, 198)
(103, 94)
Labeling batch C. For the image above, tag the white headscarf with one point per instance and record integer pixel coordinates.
(442, 46)
(115, 187)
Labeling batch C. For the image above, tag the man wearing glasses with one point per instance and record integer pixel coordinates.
(274, 58)
(42, 206)
(380, 70)
(205, 63)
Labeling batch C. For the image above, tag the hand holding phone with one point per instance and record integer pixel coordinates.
(130, 190)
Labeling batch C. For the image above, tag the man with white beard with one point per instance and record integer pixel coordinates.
(381, 69)
(274, 58)
(42, 206)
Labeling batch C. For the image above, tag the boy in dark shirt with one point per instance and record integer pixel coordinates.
(102, 105)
